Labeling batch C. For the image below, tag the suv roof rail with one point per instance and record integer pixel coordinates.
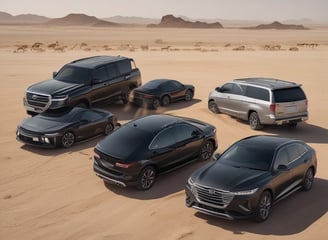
(81, 59)
(262, 79)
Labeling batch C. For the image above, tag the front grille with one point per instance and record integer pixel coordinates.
(28, 132)
(38, 101)
(211, 196)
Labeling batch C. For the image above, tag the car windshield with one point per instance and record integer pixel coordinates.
(288, 95)
(73, 74)
(248, 156)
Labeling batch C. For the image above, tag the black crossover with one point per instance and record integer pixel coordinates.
(161, 92)
(139, 150)
(65, 127)
(250, 176)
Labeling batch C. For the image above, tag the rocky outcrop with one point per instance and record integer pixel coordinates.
(169, 21)
(279, 26)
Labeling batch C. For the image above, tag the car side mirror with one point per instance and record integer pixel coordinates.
(282, 168)
(216, 156)
(54, 74)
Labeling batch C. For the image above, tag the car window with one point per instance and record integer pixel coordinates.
(163, 139)
(169, 86)
(73, 74)
(236, 89)
(295, 151)
(124, 66)
(112, 70)
(100, 74)
(226, 88)
(184, 132)
(282, 158)
(288, 95)
(91, 116)
(257, 93)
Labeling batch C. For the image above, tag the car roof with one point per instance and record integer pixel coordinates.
(267, 141)
(154, 123)
(270, 83)
(96, 61)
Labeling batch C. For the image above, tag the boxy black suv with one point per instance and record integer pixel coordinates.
(261, 101)
(84, 82)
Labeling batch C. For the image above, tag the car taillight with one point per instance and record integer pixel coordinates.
(148, 96)
(273, 107)
(124, 165)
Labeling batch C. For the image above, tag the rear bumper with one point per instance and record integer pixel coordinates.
(271, 119)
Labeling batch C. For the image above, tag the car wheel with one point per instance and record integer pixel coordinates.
(308, 180)
(146, 178)
(108, 128)
(68, 139)
(189, 95)
(292, 124)
(264, 207)
(206, 151)
(165, 100)
(213, 107)
(126, 96)
(254, 121)
(156, 103)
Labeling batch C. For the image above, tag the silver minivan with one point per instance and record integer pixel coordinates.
(261, 101)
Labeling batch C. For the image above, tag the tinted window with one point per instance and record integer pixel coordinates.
(295, 151)
(124, 66)
(170, 86)
(288, 95)
(112, 71)
(164, 139)
(248, 156)
(282, 158)
(100, 74)
(73, 74)
(236, 89)
(184, 132)
(257, 93)
(226, 88)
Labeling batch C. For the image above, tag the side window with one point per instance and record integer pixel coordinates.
(236, 89)
(226, 88)
(169, 86)
(257, 93)
(112, 70)
(184, 132)
(282, 158)
(124, 66)
(100, 74)
(295, 150)
(163, 139)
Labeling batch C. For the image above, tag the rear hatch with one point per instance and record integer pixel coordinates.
(289, 102)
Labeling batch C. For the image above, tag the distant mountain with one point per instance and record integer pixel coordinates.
(132, 20)
(22, 18)
(279, 26)
(78, 19)
(169, 21)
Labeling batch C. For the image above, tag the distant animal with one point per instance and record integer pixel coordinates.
(144, 47)
(227, 45)
(167, 48)
(240, 48)
(293, 49)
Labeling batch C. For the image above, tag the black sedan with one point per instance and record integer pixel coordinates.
(250, 176)
(137, 152)
(161, 92)
(66, 127)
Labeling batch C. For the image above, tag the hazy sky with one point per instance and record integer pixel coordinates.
(226, 9)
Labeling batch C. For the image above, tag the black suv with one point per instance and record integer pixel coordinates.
(84, 82)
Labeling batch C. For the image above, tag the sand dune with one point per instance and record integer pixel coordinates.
(55, 195)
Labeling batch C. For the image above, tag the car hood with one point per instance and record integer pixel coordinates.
(53, 87)
(40, 125)
(229, 178)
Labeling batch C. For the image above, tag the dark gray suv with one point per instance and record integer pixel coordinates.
(261, 101)
(84, 82)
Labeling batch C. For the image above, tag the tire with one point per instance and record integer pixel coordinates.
(213, 107)
(156, 103)
(126, 96)
(68, 139)
(189, 95)
(308, 180)
(292, 124)
(108, 128)
(146, 178)
(206, 151)
(166, 100)
(264, 207)
(254, 121)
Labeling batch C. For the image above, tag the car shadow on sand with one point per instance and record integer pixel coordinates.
(130, 111)
(166, 184)
(290, 216)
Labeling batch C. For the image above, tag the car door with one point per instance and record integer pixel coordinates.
(223, 97)
(100, 84)
(174, 89)
(114, 83)
(91, 124)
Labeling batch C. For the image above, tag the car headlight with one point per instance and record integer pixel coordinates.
(246, 192)
(59, 101)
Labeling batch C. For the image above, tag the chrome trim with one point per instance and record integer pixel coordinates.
(213, 213)
(111, 180)
(37, 109)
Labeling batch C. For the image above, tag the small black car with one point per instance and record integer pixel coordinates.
(139, 150)
(161, 92)
(64, 128)
(250, 176)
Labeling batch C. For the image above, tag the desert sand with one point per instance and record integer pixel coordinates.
(54, 194)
